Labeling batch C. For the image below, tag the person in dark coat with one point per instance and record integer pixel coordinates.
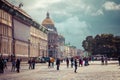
(71, 62)
(75, 64)
(119, 60)
(18, 65)
(67, 62)
(49, 63)
(30, 63)
(102, 60)
(80, 62)
(58, 63)
(33, 63)
(1, 65)
(13, 65)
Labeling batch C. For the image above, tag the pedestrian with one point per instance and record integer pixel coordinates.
(106, 60)
(119, 60)
(33, 63)
(18, 65)
(71, 62)
(13, 65)
(75, 64)
(1, 65)
(67, 62)
(52, 61)
(92, 58)
(86, 61)
(30, 63)
(49, 63)
(5, 63)
(102, 60)
(58, 63)
(80, 62)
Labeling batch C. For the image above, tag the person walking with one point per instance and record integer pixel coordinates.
(30, 63)
(18, 65)
(75, 64)
(1, 65)
(119, 60)
(72, 62)
(102, 60)
(52, 61)
(106, 60)
(33, 63)
(5, 63)
(58, 63)
(67, 62)
(49, 63)
(80, 62)
(13, 65)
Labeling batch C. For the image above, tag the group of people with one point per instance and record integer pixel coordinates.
(15, 64)
(31, 63)
(3, 64)
(75, 62)
(104, 60)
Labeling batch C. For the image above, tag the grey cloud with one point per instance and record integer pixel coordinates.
(110, 5)
(74, 30)
(76, 19)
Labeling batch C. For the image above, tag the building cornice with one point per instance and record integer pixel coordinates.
(20, 15)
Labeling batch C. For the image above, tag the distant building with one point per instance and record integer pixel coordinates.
(52, 36)
(73, 51)
(70, 51)
(66, 53)
(80, 53)
(61, 43)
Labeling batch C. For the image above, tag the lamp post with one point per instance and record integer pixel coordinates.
(28, 49)
(39, 49)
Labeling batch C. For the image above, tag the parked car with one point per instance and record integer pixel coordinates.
(46, 59)
(40, 60)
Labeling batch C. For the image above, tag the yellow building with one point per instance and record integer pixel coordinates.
(5, 33)
(39, 41)
(69, 51)
(61, 43)
(20, 35)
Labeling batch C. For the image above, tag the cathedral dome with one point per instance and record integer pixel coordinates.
(48, 21)
(49, 24)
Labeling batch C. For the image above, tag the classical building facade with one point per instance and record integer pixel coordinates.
(5, 32)
(69, 51)
(66, 53)
(38, 41)
(52, 36)
(61, 43)
(80, 53)
(20, 35)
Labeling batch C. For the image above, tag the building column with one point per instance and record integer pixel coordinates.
(28, 49)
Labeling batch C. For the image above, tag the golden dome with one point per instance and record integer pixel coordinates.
(47, 21)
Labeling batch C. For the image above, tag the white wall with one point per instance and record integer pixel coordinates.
(21, 31)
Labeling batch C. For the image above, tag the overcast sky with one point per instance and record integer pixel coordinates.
(76, 19)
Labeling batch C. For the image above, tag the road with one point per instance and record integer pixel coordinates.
(95, 71)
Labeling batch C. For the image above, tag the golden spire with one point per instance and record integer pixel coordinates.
(47, 15)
